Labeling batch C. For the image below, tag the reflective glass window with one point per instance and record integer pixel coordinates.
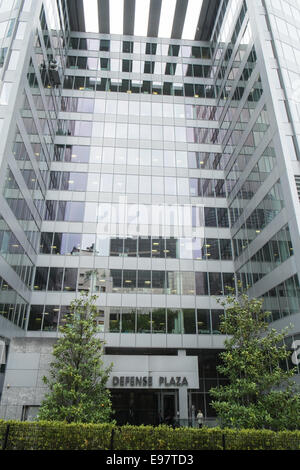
(158, 282)
(46, 242)
(215, 283)
(41, 278)
(129, 280)
(128, 320)
(130, 247)
(203, 322)
(70, 279)
(144, 281)
(175, 321)
(106, 183)
(87, 245)
(189, 322)
(116, 275)
(144, 247)
(201, 283)
(143, 320)
(159, 321)
(55, 279)
(216, 316)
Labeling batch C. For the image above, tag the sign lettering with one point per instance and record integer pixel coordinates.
(149, 382)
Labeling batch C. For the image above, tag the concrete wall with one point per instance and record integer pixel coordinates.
(28, 361)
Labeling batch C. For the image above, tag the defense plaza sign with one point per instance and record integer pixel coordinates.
(147, 382)
(153, 372)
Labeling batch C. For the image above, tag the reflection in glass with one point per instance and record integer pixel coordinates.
(143, 320)
(128, 321)
(55, 279)
(175, 321)
(159, 320)
(203, 322)
(189, 321)
(51, 315)
(114, 320)
(70, 279)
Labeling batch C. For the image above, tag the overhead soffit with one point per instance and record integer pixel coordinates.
(202, 31)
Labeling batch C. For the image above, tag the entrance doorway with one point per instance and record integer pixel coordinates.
(148, 407)
(167, 406)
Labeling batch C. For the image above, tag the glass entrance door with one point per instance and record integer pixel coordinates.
(168, 406)
(148, 407)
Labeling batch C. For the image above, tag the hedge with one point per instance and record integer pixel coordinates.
(62, 436)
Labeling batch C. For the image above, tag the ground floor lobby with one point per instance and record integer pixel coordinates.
(154, 407)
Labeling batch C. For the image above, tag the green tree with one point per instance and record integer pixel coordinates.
(77, 379)
(260, 393)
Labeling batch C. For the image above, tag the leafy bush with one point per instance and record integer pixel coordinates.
(62, 436)
(56, 436)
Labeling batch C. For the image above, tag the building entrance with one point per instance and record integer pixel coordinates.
(167, 406)
(148, 407)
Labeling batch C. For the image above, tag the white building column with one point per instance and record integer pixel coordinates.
(183, 403)
(183, 396)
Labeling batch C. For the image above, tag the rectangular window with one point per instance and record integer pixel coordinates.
(201, 284)
(203, 322)
(215, 284)
(5, 93)
(175, 321)
(55, 279)
(159, 321)
(189, 322)
(41, 278)
(14, 59)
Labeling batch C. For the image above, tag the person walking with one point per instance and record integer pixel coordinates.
(200, 419)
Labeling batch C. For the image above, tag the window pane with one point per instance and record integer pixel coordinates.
(215, 283)
(159, 321)
(175, 321)
(114, 320)
(144, 281)
(216, 317)
(189, 322)
(203, 322)
(129, 280)
(46, 242)
(55, 279)
(87, 243)
(201, 284)
(143, 320)
(130, 247)
(70, 279)
(128, 321)
(158, 282)
(144, 247)
(41, 276)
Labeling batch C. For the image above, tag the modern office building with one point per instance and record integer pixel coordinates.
(152, 170)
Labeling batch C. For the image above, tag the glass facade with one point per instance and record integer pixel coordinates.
(152, 172)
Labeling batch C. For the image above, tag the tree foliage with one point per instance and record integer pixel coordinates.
(77, 378)
(260, 393)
